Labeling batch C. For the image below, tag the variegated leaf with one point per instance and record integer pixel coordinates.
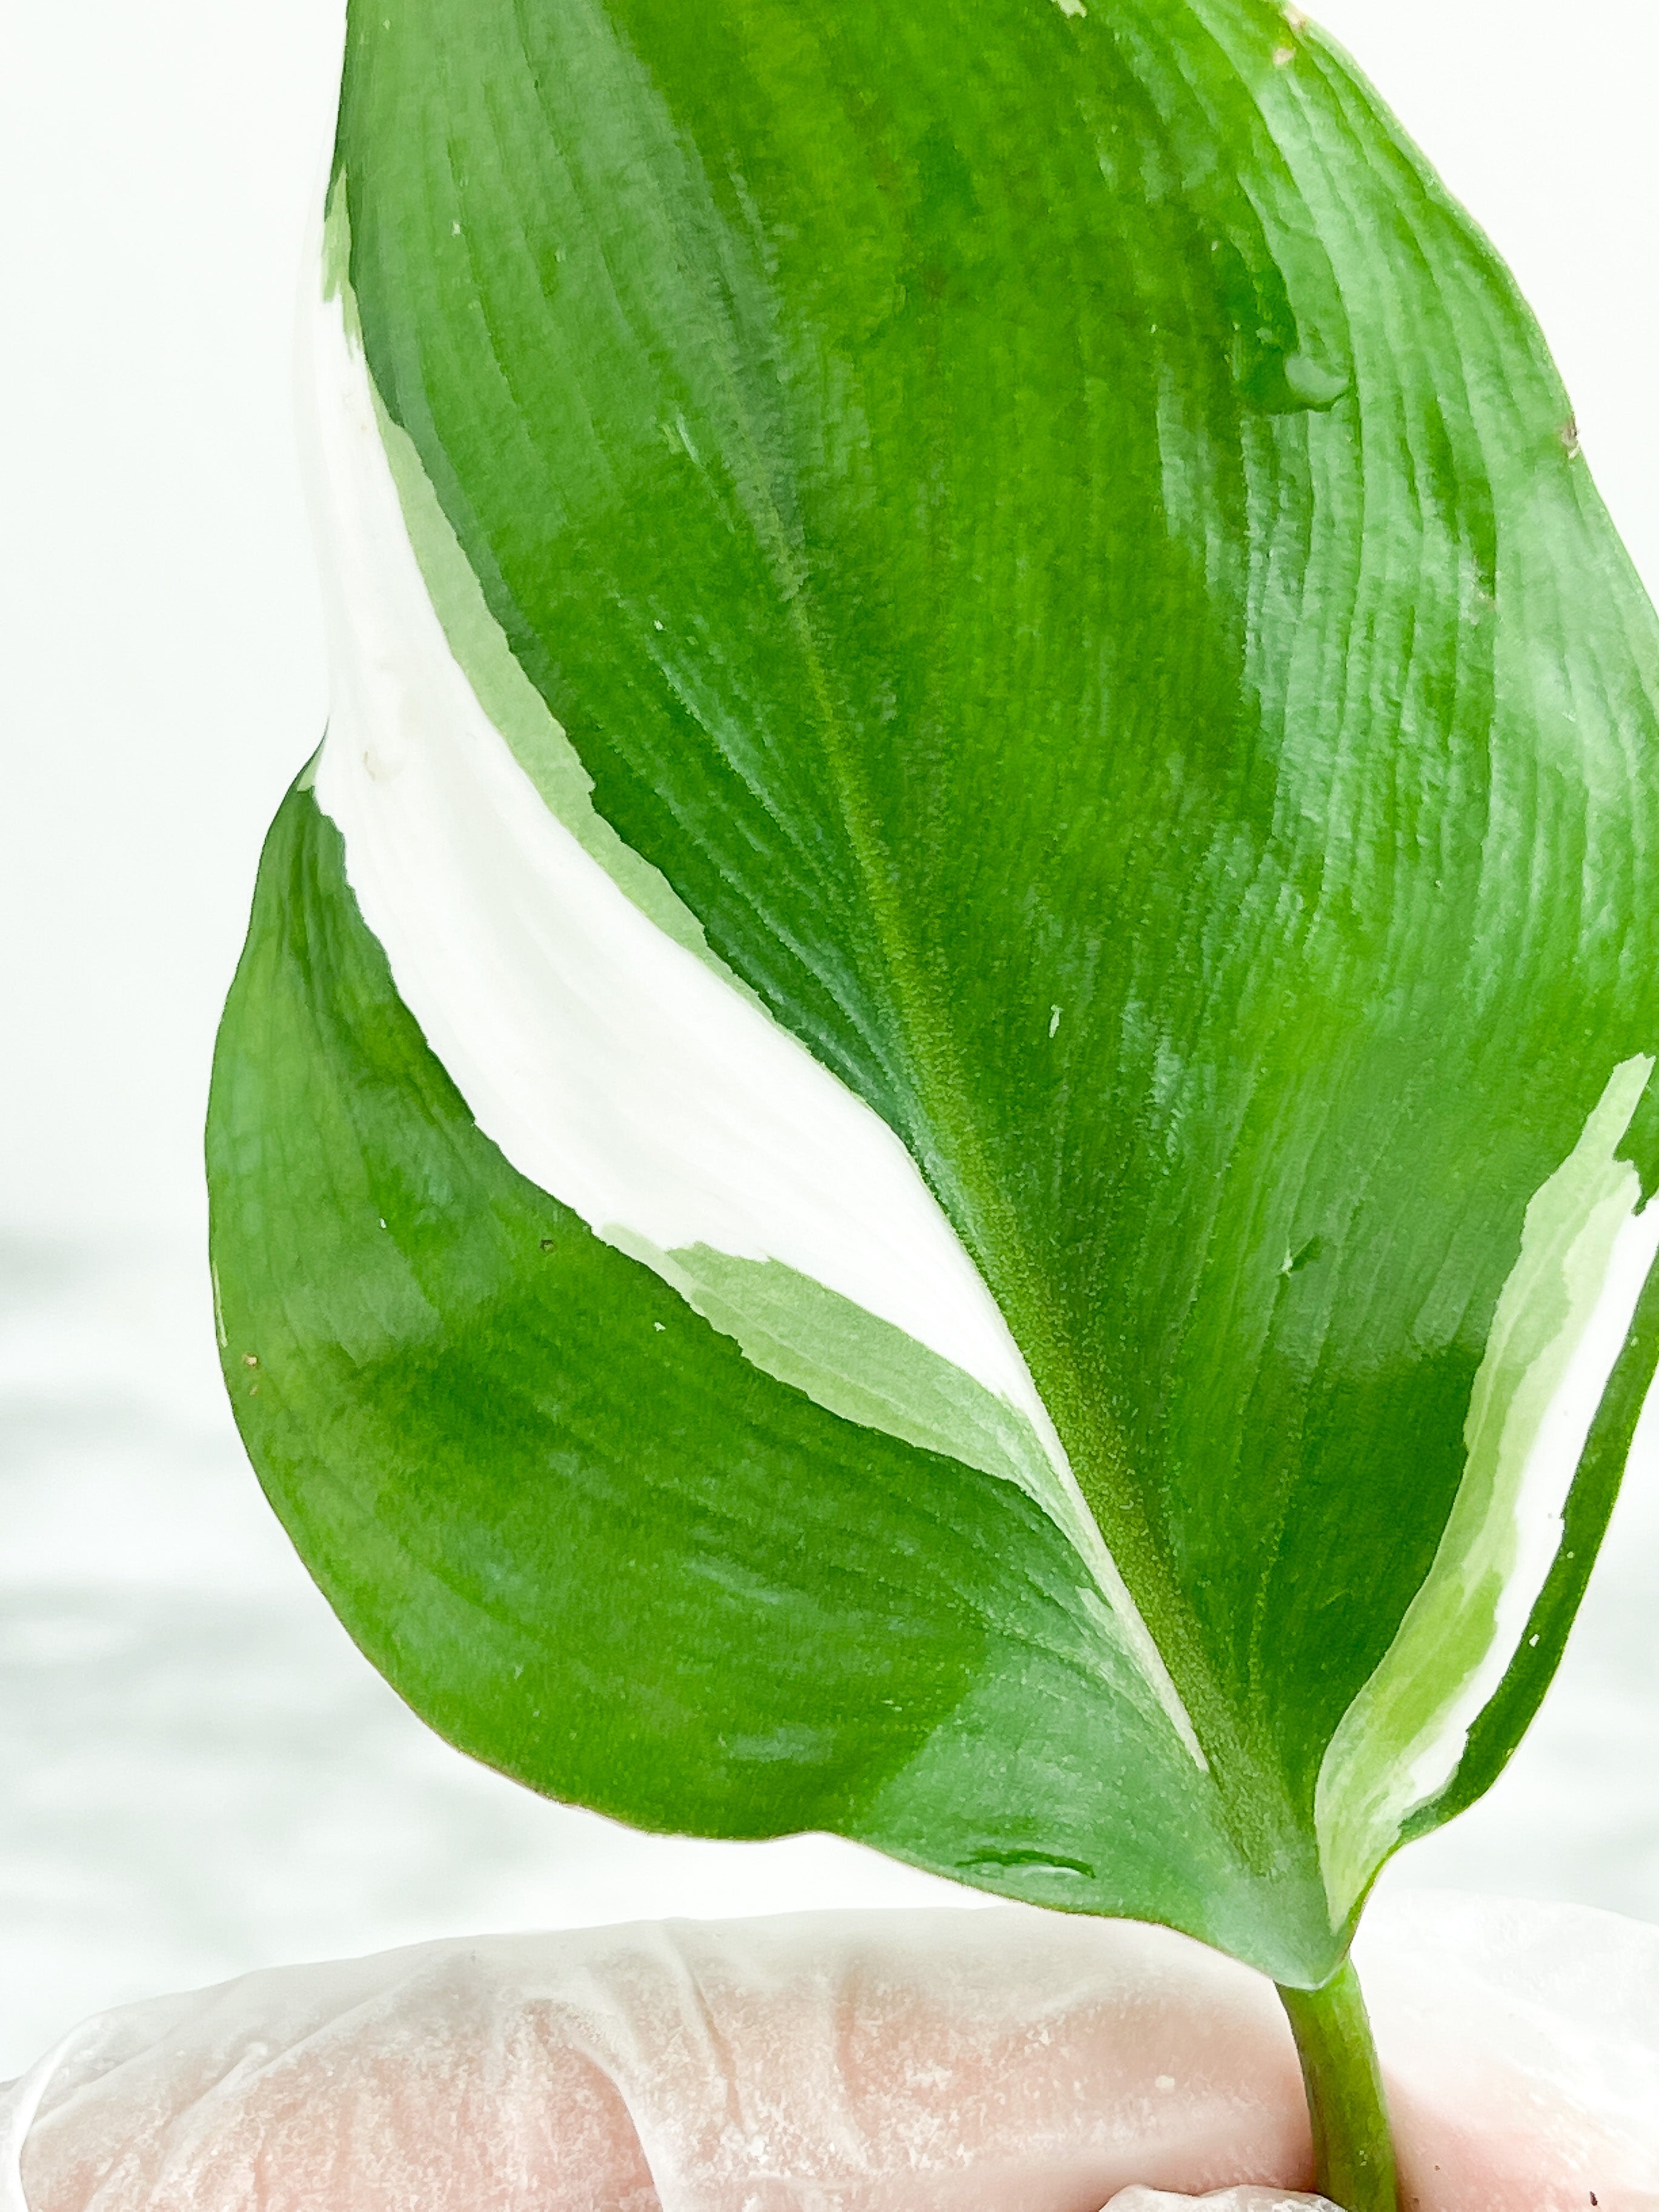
(937, 1119)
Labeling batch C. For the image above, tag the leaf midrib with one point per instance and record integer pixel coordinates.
(940, 1092)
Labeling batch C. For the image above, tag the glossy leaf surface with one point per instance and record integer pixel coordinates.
(1012, 583)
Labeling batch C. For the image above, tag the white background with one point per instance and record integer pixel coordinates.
(196, 1774)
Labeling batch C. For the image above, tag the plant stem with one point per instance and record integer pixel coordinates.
(1353, 2152)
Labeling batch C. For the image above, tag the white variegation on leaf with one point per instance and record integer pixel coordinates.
(1586, 1251)
(600, 1045)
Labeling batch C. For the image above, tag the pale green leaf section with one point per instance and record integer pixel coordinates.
(1584, 1255)
(862, 1368)
(534, 737)
(855, 1364)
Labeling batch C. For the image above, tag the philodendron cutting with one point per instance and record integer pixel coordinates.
(936, 1122)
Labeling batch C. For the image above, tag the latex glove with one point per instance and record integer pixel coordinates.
(997, 2061)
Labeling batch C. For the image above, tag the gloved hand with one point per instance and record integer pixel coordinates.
(997, 2061)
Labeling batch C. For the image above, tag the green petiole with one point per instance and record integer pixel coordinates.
(1354, 2151)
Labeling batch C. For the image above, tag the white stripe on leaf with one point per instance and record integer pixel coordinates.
(595, 1040)
(1561, 1320)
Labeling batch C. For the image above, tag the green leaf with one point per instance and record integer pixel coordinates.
(994, 757)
